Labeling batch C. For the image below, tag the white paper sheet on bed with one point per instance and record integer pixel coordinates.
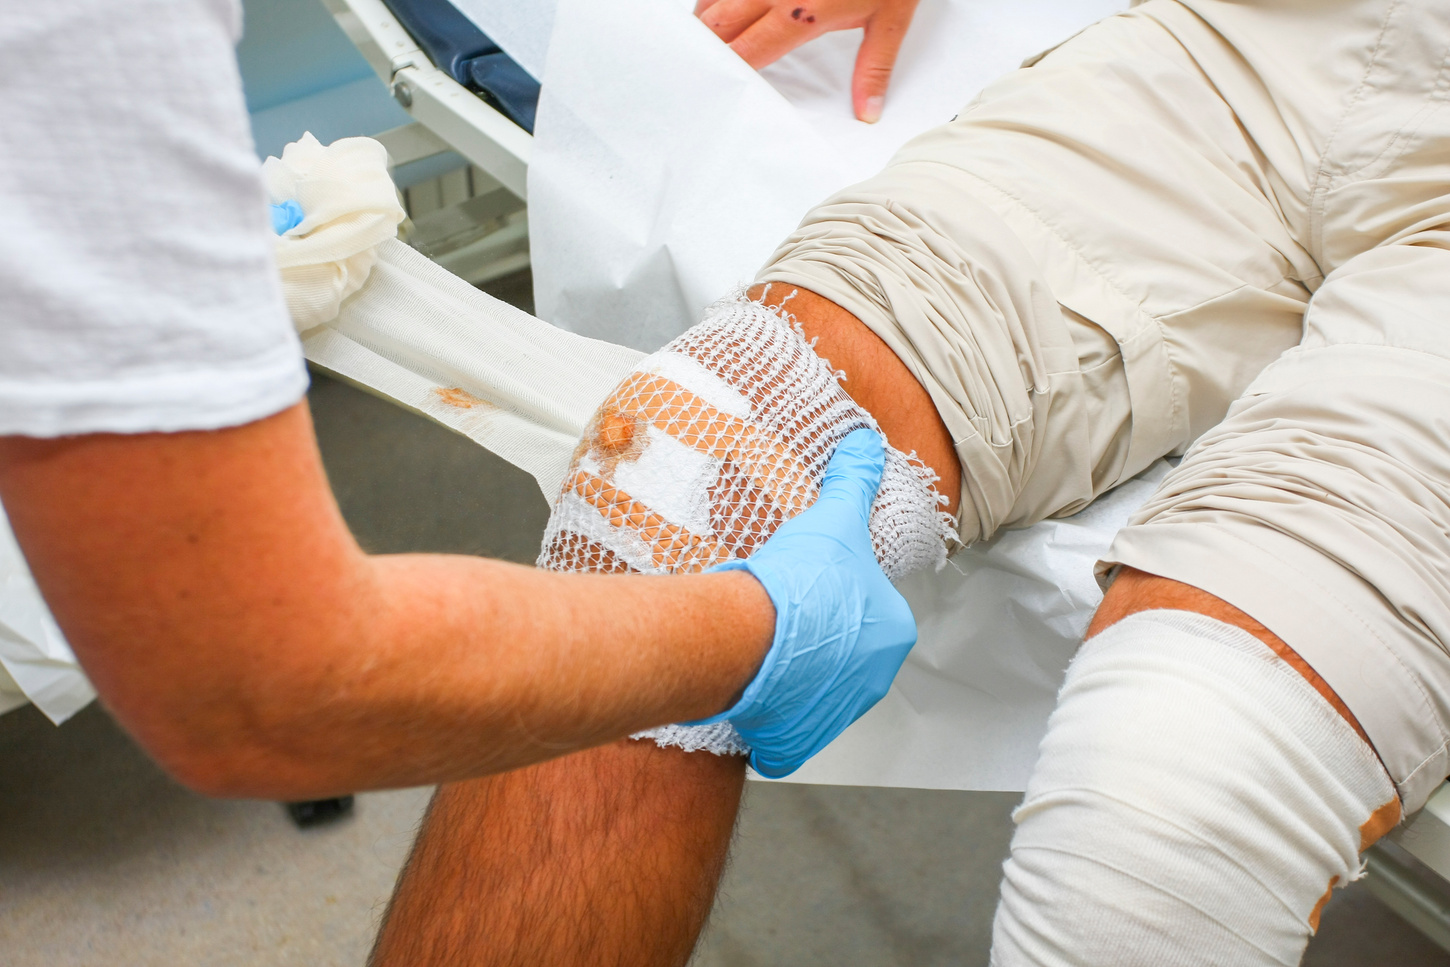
(664, 173)
(665, 170)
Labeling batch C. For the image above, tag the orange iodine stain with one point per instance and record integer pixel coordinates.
(459, 397)
(616, 432)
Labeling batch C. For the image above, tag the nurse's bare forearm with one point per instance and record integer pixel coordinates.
(470, 667)
(213, 594)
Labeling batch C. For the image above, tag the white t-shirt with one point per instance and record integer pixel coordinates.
(137, 287)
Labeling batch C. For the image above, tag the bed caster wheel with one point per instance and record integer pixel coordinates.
(319, 812)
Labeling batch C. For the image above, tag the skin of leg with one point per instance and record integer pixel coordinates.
(612, 856)
(876, 379)
(607, 857)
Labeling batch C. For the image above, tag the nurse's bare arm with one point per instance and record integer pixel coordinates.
(213, 593)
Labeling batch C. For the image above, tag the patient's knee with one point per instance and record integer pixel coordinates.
(711, 444)
(703, 451)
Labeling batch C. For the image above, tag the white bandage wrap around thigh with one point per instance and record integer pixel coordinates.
(1194, 801)
(710, 445)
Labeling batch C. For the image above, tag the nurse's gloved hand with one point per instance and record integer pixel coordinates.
(841, 629)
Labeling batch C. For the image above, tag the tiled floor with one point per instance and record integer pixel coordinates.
(104, 861)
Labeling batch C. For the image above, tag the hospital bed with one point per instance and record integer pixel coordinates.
(448, 115)
(1409, 871)
(472, 220)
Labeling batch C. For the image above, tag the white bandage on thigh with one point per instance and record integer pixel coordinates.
(709, 446)
(1194, 799)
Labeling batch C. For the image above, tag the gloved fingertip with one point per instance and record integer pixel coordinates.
(770, 769)
(286, 216)
(856, 467)
(865, 442)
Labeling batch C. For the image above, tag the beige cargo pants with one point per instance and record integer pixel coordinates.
(1212, 228)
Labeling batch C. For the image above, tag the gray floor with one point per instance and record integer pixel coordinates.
(104, 861)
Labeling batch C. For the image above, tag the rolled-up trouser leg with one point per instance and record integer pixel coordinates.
(1209, 183)
(1083, 268)
(953, 292)
(1321, 504)
(1194, 802)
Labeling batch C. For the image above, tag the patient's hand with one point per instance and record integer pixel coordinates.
(763, 31)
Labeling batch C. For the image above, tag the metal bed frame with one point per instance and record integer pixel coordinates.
(454, 117)
(480, 232)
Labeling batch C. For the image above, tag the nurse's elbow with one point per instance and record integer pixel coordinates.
(230, 747)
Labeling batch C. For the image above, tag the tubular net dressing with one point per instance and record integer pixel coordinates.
(706, 448)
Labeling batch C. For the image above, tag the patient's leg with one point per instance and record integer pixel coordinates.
(1199, 793)
(877, 379)
(1134, 591)
(611, 856)
(604, 857)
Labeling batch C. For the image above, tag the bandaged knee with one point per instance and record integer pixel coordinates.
(1194, 802)
(711, 444)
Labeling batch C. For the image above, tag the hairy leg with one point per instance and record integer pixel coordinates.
(611, 856)
(606, 857)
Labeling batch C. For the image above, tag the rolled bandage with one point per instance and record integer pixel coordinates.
(1194, 803)
(709, 446)
(349, 206)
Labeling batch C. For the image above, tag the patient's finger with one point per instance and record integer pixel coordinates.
(731, 18)
(776, 34)
(877, 58)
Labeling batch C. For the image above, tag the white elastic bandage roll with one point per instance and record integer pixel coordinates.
(706, 448)
(1194, 800)
(350, 206)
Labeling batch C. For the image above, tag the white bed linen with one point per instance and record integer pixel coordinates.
(36, 663)
(665, 170)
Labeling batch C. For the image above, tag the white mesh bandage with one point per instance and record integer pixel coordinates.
(711, 444)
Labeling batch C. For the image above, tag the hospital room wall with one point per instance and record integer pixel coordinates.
(301, 73)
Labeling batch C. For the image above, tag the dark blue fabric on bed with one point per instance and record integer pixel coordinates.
(506, 86)
(470, 57)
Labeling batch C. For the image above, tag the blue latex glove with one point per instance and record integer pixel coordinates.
(286, 216)
(841, 630)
